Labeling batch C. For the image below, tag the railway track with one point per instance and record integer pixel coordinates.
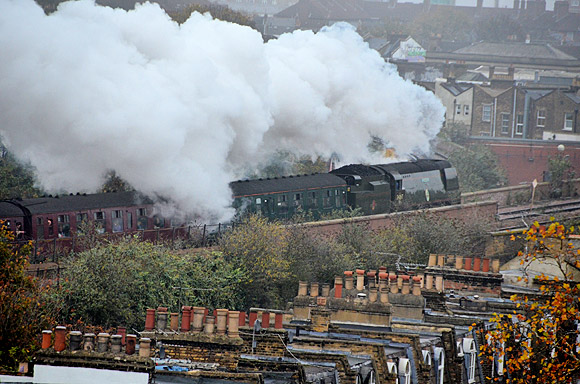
(516, 217)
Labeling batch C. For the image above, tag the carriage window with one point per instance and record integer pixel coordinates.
(50, 227)
(63, 226)
(327, 202)
(129, 220)
(398, 185)
(297, 199)
(39, 220)
(258, 201)
(158, 222)
(142, 218)
(82, 217)
(100, 221)
(117, 221)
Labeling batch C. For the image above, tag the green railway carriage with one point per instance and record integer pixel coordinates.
(279, 198)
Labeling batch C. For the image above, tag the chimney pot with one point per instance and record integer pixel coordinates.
(326, 290)
(145, 347)
(266, 319)
(338, 287)
(185, 318)
(302, 288)
(222, 321)
(150, 320)
(75, 340)
(60, 338)
(131, 342)
(174, 321)
(209, 325)
(103, 342)
(46, 339)
(313, 289)
(278, 321)
(198, 314)
(89, 342)
(116, 344)
(233, 324)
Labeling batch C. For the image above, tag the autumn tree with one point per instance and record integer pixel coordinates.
(23, 309)
(560, 172)
(259, 248)
(114, 282)
(539, 341)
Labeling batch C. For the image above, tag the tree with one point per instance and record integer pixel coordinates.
(217, 11)
(499, 28)
(16, 180)
(560, 171)
(114, 282)
(477, 168)
(114, 183)
(259, 248)
(23, 309)
(539, 341)
(447, 24)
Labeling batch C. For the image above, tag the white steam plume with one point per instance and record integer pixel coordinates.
(177, 111)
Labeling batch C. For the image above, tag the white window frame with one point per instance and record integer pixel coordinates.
(440, 352)
(469, 349)
(466, 109)
(570, 126)
(486, 113)
(505, 118)
(541, 118)
(519, 124)
(458, 109)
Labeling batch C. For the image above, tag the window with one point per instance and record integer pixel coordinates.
(50, 227)
(283, 204)
(63, 226)
(312, 199)
(486, 114)
(142, 218)
(466, 109)
(158, 222)
(82, 217)
(458, 109)
(440, 364)
(258, 201)
(505, 123)
(117, 221)
(568, 121)
(327, 202)
(297, 199)
(520, 125)
(470, 356)
(39, 228)
(337, 198)
(101, 221)
(129, 220)
(541, 120)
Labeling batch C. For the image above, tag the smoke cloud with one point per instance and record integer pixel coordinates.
(180, 111)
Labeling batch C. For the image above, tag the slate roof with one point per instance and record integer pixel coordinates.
(537, 94)
(456, 89)
(284, 184)
(472, 76)
(574, 97)
(74, 203)
(531, 51)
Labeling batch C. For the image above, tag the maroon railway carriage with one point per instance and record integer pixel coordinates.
(58, 217)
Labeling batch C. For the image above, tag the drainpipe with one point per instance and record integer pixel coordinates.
(514, 113)
(526, 112)
(494, 115)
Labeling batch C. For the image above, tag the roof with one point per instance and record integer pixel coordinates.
(472, 76)
(520, 50)
(456, 89)
(421, 165)
(574, 97)
(283, 184)
(494, 92)
(72, 203)
(537, 94)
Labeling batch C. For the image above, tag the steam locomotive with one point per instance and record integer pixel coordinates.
(374, 189)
